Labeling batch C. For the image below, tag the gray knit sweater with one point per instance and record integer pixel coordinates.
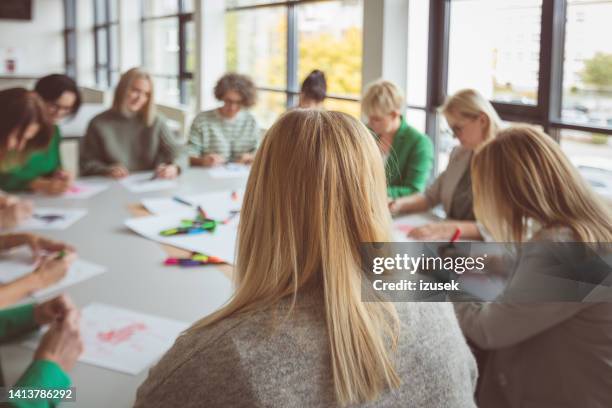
(260, 360)
(116, 139)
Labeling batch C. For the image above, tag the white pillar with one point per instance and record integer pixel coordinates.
(129, 35)
(385, 41)
(210, 57)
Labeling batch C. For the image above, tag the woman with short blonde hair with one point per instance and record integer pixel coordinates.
(552, 354)
(473, 121)
(296, 332)
(130, 136)
(408, 153)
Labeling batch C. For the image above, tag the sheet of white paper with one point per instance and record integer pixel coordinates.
(230, 170)
(144, 183)
(84, 190)
(121, 339)
(80, 190)
(220, 243)
(218, 205)
(18, 262)
(46, 218)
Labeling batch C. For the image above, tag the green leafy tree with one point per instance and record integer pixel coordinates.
(598, 71)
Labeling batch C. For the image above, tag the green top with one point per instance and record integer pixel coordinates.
(409, 162)
(40, 163)
(41, 373)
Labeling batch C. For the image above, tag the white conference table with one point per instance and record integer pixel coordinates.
(136, 279)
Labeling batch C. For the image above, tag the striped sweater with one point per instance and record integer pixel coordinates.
(211, 133)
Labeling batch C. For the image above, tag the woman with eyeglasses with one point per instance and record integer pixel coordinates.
(42, 169)
(131, 136)
(229, 133)
(473, 121)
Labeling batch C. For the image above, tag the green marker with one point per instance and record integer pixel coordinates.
(61, 254)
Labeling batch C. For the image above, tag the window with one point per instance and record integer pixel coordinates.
(591, 153)
(587, 71)
(329, 39)
(279, 44)
(70, 45)
(169, 49)
(544, 62)
(495, 48)
(106, 42)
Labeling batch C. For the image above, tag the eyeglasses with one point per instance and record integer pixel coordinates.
(458, 129)
(235, 102)
(60, 109)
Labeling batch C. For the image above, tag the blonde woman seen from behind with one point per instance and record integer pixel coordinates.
(296, 332)
(473, 121)
(541, 354)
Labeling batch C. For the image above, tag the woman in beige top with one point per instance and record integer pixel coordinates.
(541, 354)
(473, 120)
(296, 332)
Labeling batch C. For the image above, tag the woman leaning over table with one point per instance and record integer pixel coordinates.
(42, 170)
(473, 121)
(541, 354)
(24, 128)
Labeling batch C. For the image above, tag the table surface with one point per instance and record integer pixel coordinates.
(136, 279)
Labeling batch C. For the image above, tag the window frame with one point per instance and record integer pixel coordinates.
(184, 18)
(70, 38)
(547, 110)
(292, 88)
(105, 26)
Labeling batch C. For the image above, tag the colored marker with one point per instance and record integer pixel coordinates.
(455, 236)
(201, 212)
(232, 215)
(60, 254)
(180, 200)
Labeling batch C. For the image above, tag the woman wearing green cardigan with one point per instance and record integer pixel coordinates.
(408, 152)
(41, 171)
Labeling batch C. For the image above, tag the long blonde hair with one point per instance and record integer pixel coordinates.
(523, 175)
(469, 104)
(315, 192)
(148, 112)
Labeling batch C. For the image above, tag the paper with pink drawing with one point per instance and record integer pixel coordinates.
(84, 190)
(121, 339)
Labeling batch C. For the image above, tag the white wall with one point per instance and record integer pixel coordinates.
(38, 44)
(129, 35)
(85, 44)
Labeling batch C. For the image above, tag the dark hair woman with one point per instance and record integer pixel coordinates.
(314, 90)
(42, 170)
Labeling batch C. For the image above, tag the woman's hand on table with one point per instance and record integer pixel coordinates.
(53, 310)
(167, 171)
(14, 211)
(59, 183)
(246, 158)
(433, 231)
(52, 268)
(117, 171)
(62, 343)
